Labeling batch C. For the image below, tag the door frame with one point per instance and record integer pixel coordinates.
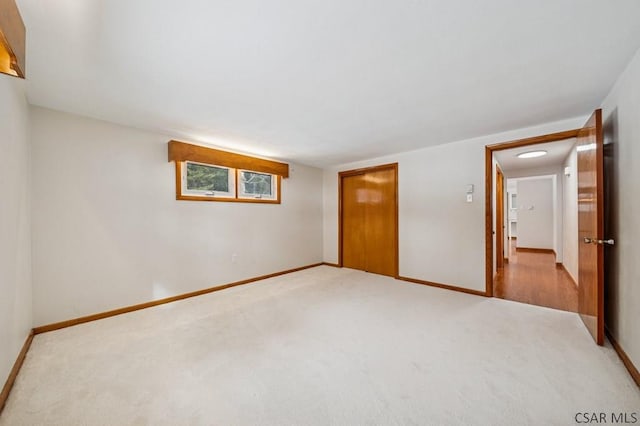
(355, 172)
(500, 246)
(488, 189)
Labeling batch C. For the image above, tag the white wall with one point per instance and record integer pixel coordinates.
(535, 213)
(558, 197)
(108, 231)
(15, 224)
(512, 215)
(570, 215)
(624, 290)
(441, 236)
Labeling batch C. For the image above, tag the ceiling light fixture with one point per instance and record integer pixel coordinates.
(532, 154)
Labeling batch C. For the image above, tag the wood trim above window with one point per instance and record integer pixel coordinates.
(12, 40)
(182, 151)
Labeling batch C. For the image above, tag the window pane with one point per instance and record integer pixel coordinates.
(256, 183)
(207, 178)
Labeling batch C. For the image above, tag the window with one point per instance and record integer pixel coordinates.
(257, 185)
(207, 174)
(207, 180)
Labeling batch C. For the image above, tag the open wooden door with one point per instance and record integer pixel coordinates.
(591, 226)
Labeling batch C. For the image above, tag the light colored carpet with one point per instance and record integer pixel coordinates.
(318, 347)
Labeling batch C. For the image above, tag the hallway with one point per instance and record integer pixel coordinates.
(534, 278)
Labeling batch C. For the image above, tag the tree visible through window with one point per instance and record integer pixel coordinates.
(256, 184)
(207, 178)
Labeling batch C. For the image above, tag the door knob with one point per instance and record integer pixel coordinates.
(609, 242)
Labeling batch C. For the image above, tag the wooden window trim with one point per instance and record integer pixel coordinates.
(182, 151)
(180, 196)
(179, 152)
(12, 40)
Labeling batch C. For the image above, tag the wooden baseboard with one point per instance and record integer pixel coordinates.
(6, 389)
(429, 283)
(444, 286)
(561, 266)
(635, 374)
(107, 314)
(535, 250)
(506, 260)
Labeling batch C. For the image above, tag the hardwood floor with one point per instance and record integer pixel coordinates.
(534, 278)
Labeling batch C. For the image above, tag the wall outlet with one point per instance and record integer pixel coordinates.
(469, 198)
(234, 258)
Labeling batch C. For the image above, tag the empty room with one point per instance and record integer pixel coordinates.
(319, 213)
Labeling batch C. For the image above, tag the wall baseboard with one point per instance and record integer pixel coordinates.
(6, 389)
(429, 283)
(444, 286)
(635, 374)
(535, 250)
(114, 312)
(566, 271)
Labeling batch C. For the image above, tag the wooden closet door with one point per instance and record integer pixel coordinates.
(354, 199)
(369, 220)
(380, 231)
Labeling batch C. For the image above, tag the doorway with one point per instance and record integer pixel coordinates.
(589, 205)
(368, 219)
(529, 203)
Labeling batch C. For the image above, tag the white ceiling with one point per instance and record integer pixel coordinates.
(557, 152)
(327, 81)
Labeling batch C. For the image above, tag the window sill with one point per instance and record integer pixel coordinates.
(226, 200)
